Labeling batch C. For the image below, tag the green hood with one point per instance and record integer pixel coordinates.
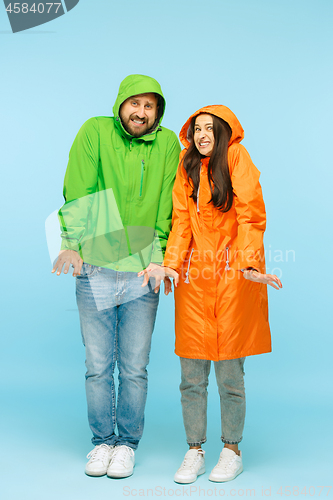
(139, 84)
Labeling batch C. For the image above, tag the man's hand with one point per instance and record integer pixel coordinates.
(68, 257)
(266, 279)
(159, 272)
(167, 285)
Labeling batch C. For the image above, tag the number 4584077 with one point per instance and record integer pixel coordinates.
(297, 491)
(23, 8)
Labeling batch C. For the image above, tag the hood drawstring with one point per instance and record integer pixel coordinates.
(188, 267)
(227, 267)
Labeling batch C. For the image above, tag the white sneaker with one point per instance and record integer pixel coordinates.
(228, 467)
(122, 462)
(193, 465)
(99, 461)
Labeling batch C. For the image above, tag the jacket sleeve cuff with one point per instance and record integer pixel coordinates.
(247, 259)
(157, 254)
(249, 269)
(176, 252)
(67, 244)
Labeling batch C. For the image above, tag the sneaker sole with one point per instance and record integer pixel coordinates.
(187, 481)
(95, 474)
(119, 475)
(216, 480)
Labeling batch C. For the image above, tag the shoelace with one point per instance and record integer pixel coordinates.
(121, 453)
(100, 452)
(225, 462)
(191, 461)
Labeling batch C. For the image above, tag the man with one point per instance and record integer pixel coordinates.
(116, 220)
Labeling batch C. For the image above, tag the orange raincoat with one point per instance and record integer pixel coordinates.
(219, 314)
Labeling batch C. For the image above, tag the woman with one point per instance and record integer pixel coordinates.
(216, 246)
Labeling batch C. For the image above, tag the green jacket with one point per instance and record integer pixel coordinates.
(118, 189)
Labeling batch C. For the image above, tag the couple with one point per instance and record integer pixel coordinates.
(122, 188)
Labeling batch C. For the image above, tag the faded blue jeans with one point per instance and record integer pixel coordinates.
(117, 318)
(230, 381)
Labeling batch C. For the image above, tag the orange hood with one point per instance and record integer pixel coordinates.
(222, 112)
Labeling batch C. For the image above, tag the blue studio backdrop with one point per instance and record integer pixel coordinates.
(270, 62)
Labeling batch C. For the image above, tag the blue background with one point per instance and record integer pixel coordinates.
(271, 63)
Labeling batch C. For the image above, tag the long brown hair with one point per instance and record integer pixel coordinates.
(218, 169)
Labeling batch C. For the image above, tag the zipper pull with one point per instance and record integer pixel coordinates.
(130, 144)
(227, 267)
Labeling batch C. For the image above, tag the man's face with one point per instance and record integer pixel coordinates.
(138, 113)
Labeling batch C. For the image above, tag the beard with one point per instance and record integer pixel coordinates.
(134, 131)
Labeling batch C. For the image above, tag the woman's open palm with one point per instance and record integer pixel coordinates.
(266, 279)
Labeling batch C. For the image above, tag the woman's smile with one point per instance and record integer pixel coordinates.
(204, 135)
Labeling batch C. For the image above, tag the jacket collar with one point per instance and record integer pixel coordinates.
(147, 137)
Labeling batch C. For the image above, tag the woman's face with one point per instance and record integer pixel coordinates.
(203, 134)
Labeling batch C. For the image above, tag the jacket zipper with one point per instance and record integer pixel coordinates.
(227, 267)
(143, 168)
(130, 144)
(198, 210)
(188, 267)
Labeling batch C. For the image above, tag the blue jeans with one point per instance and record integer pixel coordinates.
(230, 381)
(117, 319)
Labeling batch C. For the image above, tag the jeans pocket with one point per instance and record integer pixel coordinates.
(87, 270)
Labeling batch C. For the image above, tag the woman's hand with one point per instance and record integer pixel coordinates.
(159, 272)
(167, 285)
(266, 279)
